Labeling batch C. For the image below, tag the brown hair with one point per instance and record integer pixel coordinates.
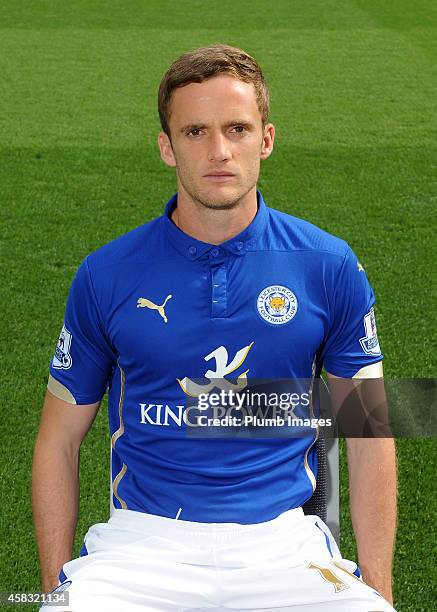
(201, 64)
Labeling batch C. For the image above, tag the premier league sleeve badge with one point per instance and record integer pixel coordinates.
(62, 358)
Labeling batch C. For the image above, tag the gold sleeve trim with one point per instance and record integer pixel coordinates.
(374, 370)
(114, 438)
(116, 482)
(60, 391)
(308, 470)
(120, 430)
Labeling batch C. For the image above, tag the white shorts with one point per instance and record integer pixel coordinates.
(142, 562)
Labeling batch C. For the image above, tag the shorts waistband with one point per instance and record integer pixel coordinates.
(161, 525)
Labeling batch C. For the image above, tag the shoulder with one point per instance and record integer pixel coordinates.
(133, 247)
(290, 233)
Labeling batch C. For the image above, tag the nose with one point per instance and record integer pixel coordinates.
(218, 147)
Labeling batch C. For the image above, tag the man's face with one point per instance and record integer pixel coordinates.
(217, 140)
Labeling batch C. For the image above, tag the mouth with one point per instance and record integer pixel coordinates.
(219, 177)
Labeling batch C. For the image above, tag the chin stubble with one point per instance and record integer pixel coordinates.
(223, 206)
(211, 205)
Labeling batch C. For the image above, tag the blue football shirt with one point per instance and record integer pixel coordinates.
(155, 309)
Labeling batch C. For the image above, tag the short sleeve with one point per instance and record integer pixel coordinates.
(83, 358)
(352, 341)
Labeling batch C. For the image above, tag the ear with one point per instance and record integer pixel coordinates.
(166, 150)
(268, 139)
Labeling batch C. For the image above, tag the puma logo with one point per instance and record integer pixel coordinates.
(145, 303)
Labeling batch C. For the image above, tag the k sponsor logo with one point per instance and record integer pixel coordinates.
(217, 376)
(163, 414)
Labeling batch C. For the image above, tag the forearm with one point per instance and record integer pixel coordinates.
(372, 477)
(55, 499)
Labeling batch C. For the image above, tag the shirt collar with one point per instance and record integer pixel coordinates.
(238, 245)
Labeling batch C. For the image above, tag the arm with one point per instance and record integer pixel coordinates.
(372, 482)
(55, 482)
(372, 478)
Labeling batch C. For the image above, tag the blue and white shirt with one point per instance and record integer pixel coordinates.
(156, 308)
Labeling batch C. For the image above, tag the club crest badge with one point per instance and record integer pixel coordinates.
(277, 304)
(62, 358)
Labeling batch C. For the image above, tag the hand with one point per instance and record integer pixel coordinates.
(382, 585)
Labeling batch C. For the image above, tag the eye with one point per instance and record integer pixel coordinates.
(239, 129)
(194, 132)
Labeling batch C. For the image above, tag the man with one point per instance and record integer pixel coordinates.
(219, 285)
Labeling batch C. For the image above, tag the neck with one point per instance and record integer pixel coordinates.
(213, 226)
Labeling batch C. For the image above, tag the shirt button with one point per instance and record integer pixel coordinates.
(215, 252)
(240, 245)
(192, 250)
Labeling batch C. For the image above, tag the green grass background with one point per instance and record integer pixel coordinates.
(354, 101)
